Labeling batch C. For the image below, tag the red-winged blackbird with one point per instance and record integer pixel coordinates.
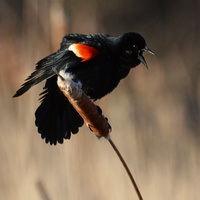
(98, 61)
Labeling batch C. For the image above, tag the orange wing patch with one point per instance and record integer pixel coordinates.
(84, 51)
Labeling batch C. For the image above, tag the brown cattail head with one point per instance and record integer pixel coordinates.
(83, 105)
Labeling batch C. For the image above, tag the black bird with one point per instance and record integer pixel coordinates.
(98, 61)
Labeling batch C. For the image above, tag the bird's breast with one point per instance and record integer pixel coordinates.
(98, 77)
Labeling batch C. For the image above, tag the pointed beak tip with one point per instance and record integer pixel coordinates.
(142, 60)
(149, 51)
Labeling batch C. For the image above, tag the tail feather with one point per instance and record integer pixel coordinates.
(56, 118)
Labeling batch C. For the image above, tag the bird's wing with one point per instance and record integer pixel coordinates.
(70, 54)
(43, 70)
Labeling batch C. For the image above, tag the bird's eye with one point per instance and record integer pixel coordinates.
(134, 46)
(128, 52)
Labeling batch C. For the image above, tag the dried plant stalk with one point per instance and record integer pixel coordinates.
(89, 112)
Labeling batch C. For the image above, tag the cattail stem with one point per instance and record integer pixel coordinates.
(89, 112)
(126, 168)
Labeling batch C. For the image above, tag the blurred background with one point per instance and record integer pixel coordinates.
(155, 113)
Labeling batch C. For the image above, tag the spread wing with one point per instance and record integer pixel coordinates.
(71, 53)
(59, 60)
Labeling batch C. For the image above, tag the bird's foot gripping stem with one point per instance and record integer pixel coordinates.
(106, 119)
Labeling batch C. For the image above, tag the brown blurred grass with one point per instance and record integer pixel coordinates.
(154, 114)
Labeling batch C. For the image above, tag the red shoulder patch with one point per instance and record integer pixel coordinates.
(84, 51)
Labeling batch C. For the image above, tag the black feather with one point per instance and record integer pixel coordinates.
(55, 117)
(60, 60)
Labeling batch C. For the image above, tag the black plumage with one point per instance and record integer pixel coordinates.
(98, 61)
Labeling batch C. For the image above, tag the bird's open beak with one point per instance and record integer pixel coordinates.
(141, 58)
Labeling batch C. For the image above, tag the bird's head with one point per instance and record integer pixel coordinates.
(131, 47)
